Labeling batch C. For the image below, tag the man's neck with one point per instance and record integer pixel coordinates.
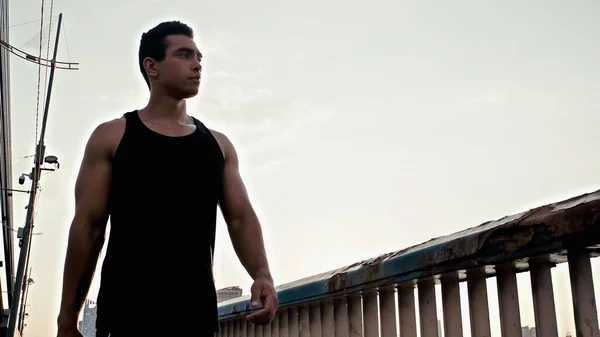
(166, 108)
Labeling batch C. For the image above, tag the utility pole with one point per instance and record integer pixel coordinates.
(28, 281)
(35, 177)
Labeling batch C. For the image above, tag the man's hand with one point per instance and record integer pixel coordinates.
(263, 290)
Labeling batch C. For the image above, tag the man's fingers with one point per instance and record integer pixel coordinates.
(262, 313)
(259, 313)
(260, 293)
(269, 302)
(255, 297)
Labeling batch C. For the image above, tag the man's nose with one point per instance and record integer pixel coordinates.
(197, 66)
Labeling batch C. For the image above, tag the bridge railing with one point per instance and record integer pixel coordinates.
(370, 298)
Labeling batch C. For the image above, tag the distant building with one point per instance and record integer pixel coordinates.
(528, 331)
(87, 326)
(228, 293)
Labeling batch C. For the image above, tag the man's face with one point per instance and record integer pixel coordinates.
(179, 72)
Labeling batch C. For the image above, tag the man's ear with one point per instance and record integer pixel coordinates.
(150, 67)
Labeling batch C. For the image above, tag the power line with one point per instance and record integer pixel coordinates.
(29, 22)
(48, 48)
(39, 79)
(38, 60)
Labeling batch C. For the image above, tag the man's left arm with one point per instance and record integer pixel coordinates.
(246, 235)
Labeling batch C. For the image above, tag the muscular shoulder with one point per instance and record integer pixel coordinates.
(225, 144)
(107, 136)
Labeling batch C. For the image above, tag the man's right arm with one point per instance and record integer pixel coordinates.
(88, 228)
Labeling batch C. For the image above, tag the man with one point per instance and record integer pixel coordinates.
(160, 174)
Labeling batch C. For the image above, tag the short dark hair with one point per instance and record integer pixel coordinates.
(154, 42)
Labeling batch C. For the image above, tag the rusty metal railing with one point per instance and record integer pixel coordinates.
(377, 297)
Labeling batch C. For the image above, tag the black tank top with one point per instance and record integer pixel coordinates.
(157, 272)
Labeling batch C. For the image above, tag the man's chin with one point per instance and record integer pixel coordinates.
(189, 94)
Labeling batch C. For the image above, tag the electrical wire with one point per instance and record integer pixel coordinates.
(39, 79)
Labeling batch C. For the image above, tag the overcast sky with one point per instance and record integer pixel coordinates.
(362, 129)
